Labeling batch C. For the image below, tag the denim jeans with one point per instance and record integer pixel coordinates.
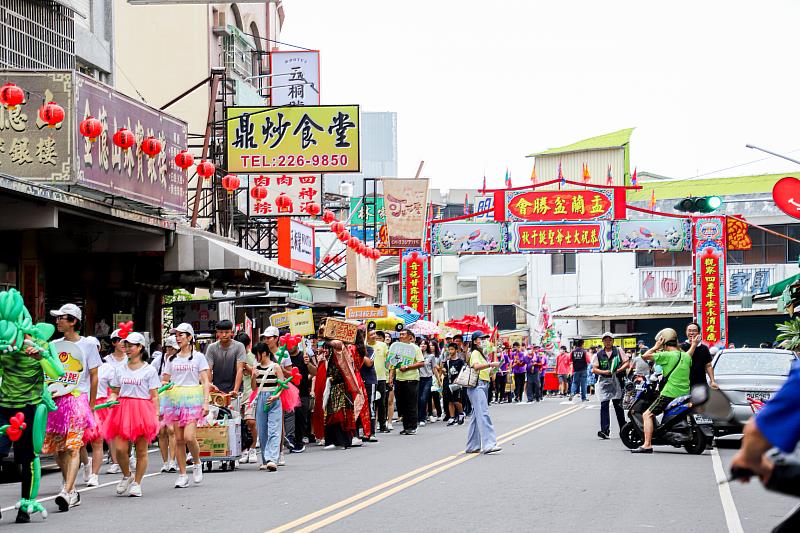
(269, 427)
(424, 398)
(579, 382)
(480, 433)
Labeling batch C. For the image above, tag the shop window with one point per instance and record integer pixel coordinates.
(562, 263)
(662, 259)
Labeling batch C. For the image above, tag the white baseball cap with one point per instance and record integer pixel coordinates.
(183, 328)
(171, 342)
(271, 331)
(68, 309)
(135, 338)
(115, 334)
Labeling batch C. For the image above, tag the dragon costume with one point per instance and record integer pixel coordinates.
(24, 387)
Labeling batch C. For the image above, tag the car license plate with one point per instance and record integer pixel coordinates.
(700, 419)
(759, 395)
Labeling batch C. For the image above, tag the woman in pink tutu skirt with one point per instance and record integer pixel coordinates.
(135, 419)
(186, 402)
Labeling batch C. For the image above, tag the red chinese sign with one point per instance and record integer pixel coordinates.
(591, 237)
(709, 264)
(415, 280)
(546, 206)
(287, 194)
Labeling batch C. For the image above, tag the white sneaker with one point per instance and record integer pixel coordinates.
(197, 474)
(87, 470)
(165, 467)
(182, 482)
(173, 466)
(136, 490)
(74, 498)
(422, 424)
(113, 469)
(389, 426)
(93, 481)
(246, 456)
(432, 419)
(124, 485)
(329, 447)
(281, 460)
(62, 500)
(252, 455)
(356, 442)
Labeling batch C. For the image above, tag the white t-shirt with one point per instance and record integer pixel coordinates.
(185, 373)
(91, 360)
(135, 383)
(105, 373)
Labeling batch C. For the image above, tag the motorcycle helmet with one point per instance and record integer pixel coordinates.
(668, 336)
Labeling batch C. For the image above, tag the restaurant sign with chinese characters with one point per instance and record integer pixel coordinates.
(576, 236)
(710, 299)
(300, 190)
(62, 156)
(546, 206)
(414, 279)
(293, 139)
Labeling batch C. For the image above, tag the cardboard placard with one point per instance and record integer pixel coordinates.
(366, 312)
(340, 330)
(400, 354)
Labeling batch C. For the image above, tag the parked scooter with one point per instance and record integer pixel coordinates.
(678, 426)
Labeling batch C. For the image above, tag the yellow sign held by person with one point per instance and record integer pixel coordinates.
(301, 322)
(279, 320)
(294, 139)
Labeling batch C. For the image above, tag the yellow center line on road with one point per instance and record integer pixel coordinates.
(426, 472)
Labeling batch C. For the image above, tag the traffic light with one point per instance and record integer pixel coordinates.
(699, 204)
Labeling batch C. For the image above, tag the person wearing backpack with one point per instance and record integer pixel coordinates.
(609, 364)
(580, 362)
(676, 365)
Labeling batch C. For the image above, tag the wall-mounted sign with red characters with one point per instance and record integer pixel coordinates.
(577, 236)
(709, 270)
(414, 279)
(272, 195)
(546, 206)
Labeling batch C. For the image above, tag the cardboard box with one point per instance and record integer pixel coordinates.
(220, 441)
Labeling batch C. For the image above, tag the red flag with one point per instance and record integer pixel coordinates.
(633, 178)
(586, 177)
(533, 174)
(609, 178)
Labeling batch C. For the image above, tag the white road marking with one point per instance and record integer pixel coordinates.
(728, 505)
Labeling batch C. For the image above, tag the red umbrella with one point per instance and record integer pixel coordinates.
(470, 324)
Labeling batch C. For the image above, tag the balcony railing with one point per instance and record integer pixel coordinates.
(669, 284)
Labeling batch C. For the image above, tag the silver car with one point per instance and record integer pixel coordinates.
(743, 373)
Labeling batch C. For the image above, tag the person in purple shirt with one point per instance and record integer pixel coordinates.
(531, 376)
(518, 366)
(539, 364)
(501, 377)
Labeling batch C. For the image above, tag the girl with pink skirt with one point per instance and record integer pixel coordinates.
(135, 419)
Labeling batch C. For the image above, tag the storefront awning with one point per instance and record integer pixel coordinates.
(194, 250)
(778, 288)
(633, 312)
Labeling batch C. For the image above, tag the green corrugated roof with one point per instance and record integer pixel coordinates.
(668, 189)
(616, 139)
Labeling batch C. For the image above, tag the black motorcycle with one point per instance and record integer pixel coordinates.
(678, 426)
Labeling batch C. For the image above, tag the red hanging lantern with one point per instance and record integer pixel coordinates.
(328, 216)
(361, 248)
(258, 193)
(52, 114)
(284, 203)
(327, 259)
(337, 226)
(91, 128)
(11, 96)
(205, 169)
(313, 209)
(338, 259)
(230, 183)
(377, 254)
(352, 243)
(184, 159)
(151, 146)
(124, 138)
(343, 235)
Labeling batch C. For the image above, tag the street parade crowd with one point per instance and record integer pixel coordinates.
(287, 391)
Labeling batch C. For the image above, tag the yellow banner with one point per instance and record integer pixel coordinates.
(293, 139)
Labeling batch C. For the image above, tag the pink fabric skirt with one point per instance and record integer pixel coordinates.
(71, 412)
(290, 398)
(131, 419)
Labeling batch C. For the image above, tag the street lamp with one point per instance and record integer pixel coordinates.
(772, 153)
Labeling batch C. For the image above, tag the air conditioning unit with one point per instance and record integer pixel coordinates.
(219, 25)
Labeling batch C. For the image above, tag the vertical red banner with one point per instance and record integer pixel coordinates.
(415, 285)
(710, 302)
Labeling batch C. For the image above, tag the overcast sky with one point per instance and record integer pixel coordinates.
(478, 85)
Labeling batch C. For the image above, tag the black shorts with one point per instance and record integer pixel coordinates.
(658, 406)
(23, 448)
(450, 396)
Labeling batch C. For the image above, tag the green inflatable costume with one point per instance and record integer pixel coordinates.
(23, 389)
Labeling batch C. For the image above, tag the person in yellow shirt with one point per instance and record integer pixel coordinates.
(380, 350)
(481, 437)
(406, 381)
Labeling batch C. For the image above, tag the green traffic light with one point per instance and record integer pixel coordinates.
(699, 204)
(714, 202)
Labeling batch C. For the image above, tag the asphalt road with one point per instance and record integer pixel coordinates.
(554, 474)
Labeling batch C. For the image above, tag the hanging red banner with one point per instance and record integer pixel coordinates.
(710, 302)
(414, 266)
(592, 236)
(547, 206)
